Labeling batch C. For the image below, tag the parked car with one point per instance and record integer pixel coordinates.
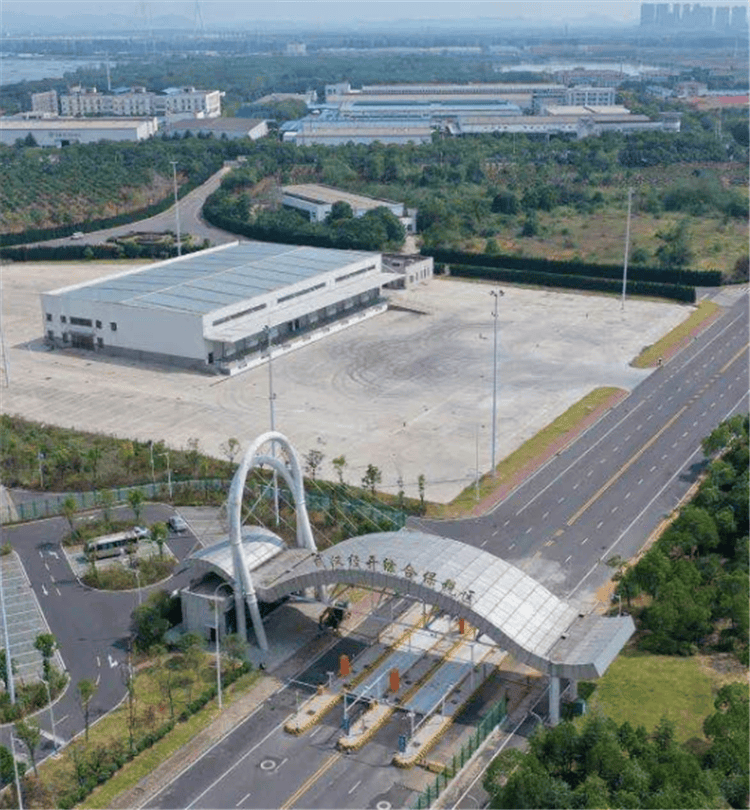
(177, 524)
(140, 532)
(77, 235)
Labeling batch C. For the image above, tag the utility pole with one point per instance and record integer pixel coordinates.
(176, 207)
(10, 686)
(627, 249)
(272, 405)
(497, 295)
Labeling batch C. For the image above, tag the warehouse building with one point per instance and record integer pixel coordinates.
(64, 131)
(217, 310)
(317, 200)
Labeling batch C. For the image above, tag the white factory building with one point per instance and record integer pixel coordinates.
(64, 131)
(215, 310)
(139, 101)
(317, 200)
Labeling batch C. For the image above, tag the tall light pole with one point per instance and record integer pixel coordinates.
(272, 404)
(15, 769)
(51, 715)
(169, 474)
(497, 295)
(153, 473)
(218, 643)
(627, 249)
(176, 206)
(10, 686)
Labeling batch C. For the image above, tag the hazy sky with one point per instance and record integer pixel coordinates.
(217, 12)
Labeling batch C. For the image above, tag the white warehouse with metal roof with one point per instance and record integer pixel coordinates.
(217, 309)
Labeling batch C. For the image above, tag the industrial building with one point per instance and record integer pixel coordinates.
(128, 101)
(58, 132)
(317, 200)
(216, 310)
(230, 128)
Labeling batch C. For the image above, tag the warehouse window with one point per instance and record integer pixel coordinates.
(113, 326)
(98, 324)
(300, 292)
(50, 334)
(355, 273)
(80, 321)
(100, 342)
(238, 314)
(49, 316)
(63, 319)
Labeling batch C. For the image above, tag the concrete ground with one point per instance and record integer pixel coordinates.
(408, 392)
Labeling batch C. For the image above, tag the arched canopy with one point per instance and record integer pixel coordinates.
(514, 610)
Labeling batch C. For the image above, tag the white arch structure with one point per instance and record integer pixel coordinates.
(244, 590)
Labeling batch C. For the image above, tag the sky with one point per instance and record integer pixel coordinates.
(316, 12)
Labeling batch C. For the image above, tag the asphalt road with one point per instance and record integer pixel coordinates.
(605, 494)
(92, 627)
(191, 221)
(602, 496)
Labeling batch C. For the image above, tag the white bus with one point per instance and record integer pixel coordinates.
(112, 545)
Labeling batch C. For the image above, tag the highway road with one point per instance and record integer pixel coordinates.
(602, 496)
(607, 492)
(92, 627)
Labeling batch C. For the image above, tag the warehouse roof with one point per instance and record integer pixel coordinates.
(212, 279)
(327, 195)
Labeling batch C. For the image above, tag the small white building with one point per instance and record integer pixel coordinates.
(216, 310)
(317, 200)
(231, 128)
(63, 131)
(130, 101)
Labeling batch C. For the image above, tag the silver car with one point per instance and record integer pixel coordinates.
(177, 524)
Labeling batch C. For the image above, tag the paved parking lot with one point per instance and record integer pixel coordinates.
(408, 392)
(25, 620)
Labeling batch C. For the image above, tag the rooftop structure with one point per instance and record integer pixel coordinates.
(217, 309)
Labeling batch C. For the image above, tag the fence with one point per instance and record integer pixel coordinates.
(53, 505)
(376, 512)
(488, 723)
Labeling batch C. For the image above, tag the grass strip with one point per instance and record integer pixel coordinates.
(642, 688)
(148, 760)
(526, 454)
(649, 357)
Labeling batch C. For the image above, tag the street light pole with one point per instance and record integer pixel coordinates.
(497, 295)
(51, 715)
(169, 474)
(176, 207)
(10, 686)
(15, 769)
(627, 249)
(218, 647)
(153, 473)
(272, 404)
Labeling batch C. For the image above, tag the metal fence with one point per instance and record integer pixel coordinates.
(486, 725)
(53, 505)
(376, 512)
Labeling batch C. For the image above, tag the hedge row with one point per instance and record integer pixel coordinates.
(106, 250)
(695, 278)
(62, 231)
(110, 769)
(675, 292)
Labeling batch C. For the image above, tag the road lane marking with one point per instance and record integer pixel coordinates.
(44, 591)
(626, 466)
(614, 509)
(679, 470)
(353, 788)
(579, 458)
(310, 781)
(576, 485)
(98, 661)
(653, 468)
(600, 524)
(512, 545)
(496, 532)
(98, 678)
(58, 591)
(567, 558)
(283, 761)
(46, 565)
(545, 516)
(319, 728)
(506, 522)
(584, 541)
(528, 530)
(243, 800)
(589, 473)
(483, 544)
(736, 356)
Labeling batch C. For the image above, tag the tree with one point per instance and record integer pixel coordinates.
(46, 644)
(371, 478)
(234, 647)
(728, 755)
(86, 690)
(151, 620)
(135, 500)
(339, 210)
(420, 485)
(106, 502)
(158, 536)
(313, 460)
(674, 253)
(230, 449)
(505, 203)
(4, 668)
(29, 734)
(69, 508)
(339, 464)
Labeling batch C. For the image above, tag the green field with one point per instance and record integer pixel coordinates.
(642, 688)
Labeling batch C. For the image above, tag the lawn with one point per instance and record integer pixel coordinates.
(650, 355)
(642, 688)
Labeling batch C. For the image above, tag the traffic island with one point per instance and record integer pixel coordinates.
(363, 728)
(311, 712)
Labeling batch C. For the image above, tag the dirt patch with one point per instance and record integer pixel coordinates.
(722, 669)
